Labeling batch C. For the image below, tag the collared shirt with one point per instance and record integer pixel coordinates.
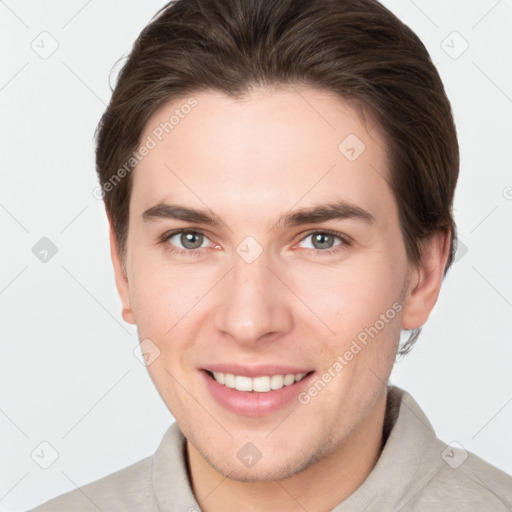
(415, 472)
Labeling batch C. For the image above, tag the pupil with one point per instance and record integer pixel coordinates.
(190, 240)
(323, 241)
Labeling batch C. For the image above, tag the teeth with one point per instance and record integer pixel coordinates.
(243, 383)
(229, 380)
(289, 379)
(219, 377)
(258, 384)
(276, 382)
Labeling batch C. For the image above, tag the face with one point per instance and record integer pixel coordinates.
(294, 265)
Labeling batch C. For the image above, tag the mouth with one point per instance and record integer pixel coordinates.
(260, 384)
(264, 393)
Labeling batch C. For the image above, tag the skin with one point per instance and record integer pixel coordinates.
(250, 161)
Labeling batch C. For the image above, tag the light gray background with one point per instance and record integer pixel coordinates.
(68, 374)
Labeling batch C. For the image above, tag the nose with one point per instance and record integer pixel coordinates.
(252, 303)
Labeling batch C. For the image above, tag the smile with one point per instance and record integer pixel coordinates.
(262, 384)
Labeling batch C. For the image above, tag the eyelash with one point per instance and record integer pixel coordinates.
(346, 242)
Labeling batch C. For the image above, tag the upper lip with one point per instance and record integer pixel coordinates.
(256, 370)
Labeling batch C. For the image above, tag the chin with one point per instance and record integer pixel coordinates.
(260, 472)
(271, 465)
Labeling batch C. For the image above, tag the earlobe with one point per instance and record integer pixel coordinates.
(121, 278)
(425, 281)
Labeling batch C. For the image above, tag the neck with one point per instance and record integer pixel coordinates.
(321, 486)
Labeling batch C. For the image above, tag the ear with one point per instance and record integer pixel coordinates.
(122, 285)
(425, 280)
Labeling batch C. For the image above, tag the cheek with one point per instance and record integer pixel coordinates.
(162, 293)
(150, 300)
(353, 295)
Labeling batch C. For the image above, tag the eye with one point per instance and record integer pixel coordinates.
(186, 242)
(192, 243)
(326, 242)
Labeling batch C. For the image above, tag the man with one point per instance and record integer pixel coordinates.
(278, 177)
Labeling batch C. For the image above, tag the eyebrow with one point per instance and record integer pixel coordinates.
(337, 210)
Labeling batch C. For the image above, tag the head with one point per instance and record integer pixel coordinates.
(278, 177)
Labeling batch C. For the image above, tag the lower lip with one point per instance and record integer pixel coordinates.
(253, 403)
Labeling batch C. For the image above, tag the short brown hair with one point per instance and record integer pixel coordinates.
(356, 49)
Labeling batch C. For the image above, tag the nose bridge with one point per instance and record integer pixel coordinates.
(251, 303)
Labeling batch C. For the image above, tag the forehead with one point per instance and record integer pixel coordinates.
(273, 147)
